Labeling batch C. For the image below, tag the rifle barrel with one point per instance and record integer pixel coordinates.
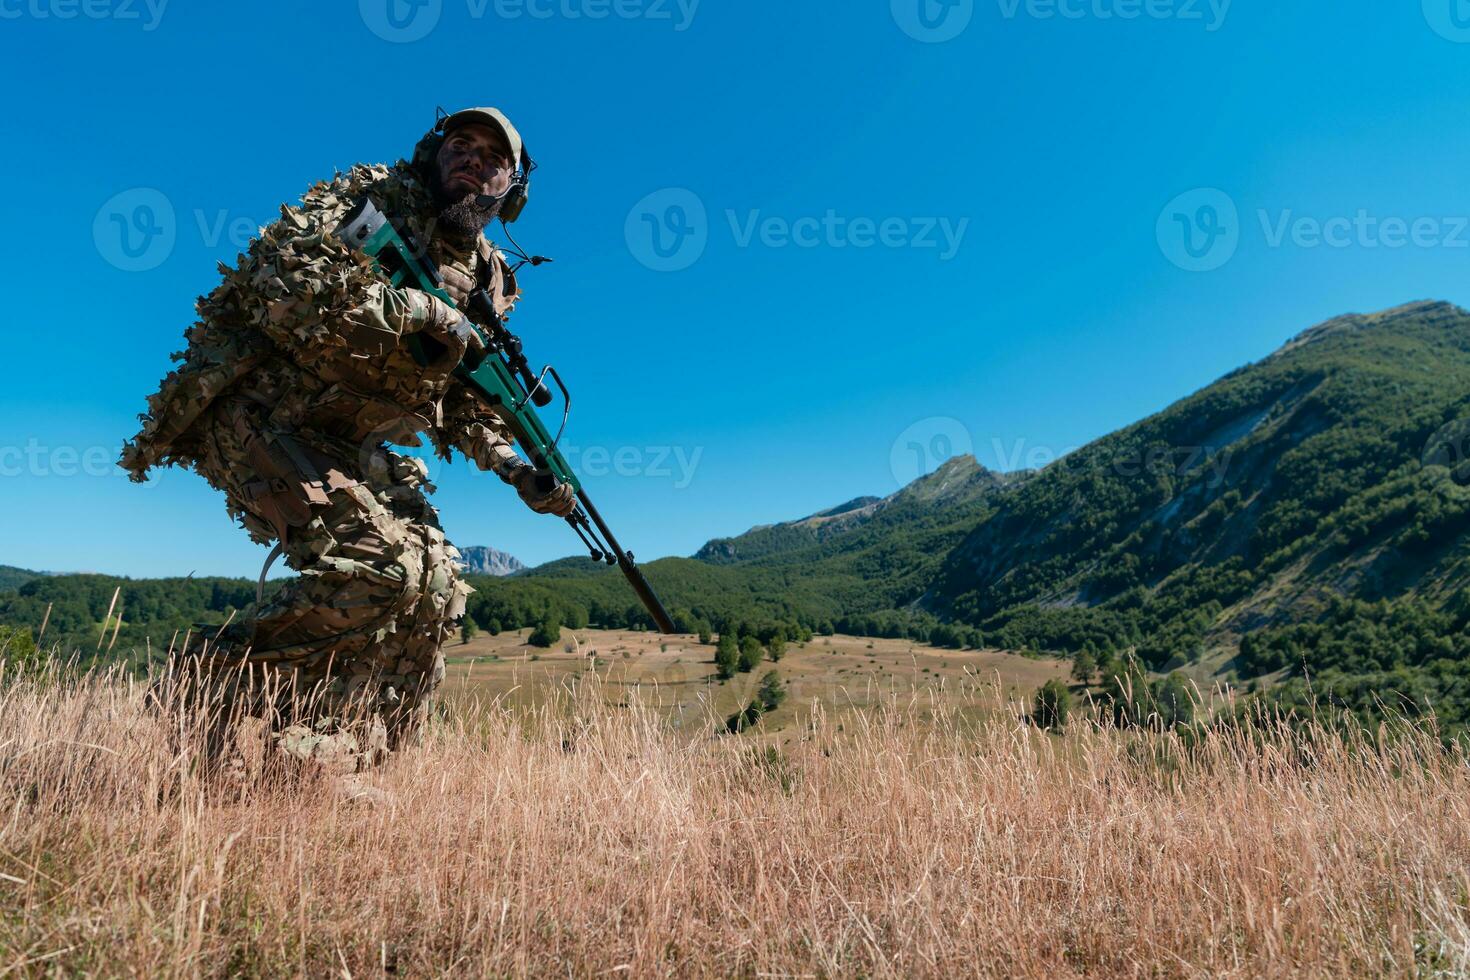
(631, 572)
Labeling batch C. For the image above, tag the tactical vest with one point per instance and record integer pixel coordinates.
(465, 271)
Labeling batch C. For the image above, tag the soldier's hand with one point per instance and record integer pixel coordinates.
(448, 326)
(459, 335)
(560, 500)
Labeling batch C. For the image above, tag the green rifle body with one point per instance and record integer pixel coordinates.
(501, 379)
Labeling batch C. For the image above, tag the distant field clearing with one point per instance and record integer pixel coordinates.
(677, 674)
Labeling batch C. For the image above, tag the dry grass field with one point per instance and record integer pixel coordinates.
(676, 675)
(929, 833)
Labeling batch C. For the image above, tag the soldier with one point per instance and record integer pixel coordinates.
(295, 380)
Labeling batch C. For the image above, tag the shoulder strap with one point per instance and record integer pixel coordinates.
(493, 274)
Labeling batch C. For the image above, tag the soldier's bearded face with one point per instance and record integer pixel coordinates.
(473, 162)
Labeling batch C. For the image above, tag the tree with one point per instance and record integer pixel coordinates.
(1083, 667)
(751, 654)
(772, 692)
(547, 633)
(704, 634)
(18, 653)
(1174, 700)
(727, 657)
(1125, 684)
(777, 647)
(745, 718)
(1053, 705)
(468, 631)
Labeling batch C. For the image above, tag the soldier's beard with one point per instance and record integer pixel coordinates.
(464, 217)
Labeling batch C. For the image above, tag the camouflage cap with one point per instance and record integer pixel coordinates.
(486, 116)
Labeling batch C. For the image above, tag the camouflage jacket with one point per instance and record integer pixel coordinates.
(305, 328)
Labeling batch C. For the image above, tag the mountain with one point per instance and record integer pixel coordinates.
(488, 561)
(1331, 470)
(1314, 475)
(13, 578)
(768, 538)
(945, 503)
(852, 567)
(1304, 520)
(869, 554)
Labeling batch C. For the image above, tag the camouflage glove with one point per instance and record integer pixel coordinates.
(560, 500)
(447, 325)
(491, 452)
(388, 315)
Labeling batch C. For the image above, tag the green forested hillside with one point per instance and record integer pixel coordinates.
(855, 568)
(1321, 472)
(13, 578)
(150, 610)
(1301, 520)
(775, 539)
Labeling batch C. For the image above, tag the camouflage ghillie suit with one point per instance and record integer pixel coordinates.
(293, 382)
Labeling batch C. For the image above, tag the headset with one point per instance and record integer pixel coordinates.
(514, 200)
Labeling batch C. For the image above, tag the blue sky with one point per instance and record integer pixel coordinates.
(803, 251)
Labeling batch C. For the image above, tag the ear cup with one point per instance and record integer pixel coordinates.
(520, 192)
(515, 201)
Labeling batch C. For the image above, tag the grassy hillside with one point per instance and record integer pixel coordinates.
(13, 578)
(1313, 474)
(1314, 502)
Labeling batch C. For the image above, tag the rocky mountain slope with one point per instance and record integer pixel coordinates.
(487, 561)
(1325, 471)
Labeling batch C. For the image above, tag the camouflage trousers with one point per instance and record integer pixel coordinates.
(340, 666)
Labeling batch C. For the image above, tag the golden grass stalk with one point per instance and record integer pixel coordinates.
(586, 839)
